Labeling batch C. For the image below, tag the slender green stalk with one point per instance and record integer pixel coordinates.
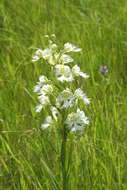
(63, 159)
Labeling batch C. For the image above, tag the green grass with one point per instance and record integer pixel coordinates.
(29, 158)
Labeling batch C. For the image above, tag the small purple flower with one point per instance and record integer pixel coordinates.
(103, 69)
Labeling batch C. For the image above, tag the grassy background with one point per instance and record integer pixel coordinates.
(30, 159)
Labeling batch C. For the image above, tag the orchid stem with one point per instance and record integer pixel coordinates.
(63, 159)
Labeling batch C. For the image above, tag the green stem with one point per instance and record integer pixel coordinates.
(63, 159)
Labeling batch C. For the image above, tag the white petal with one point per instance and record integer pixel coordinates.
(65, 99)
(84, 75)
(37, 88)
(46, 89)
(77, 121)
(54, 112)
(35, 58)
(44, 125)
(39, 108)
(79, 94)
(44, 100)
(46, 53)
(66, 59)
(68, 47)
(43, 79)
(48, 122)
(77, 72)
(63, 73)
(39, 52)
(53, 35)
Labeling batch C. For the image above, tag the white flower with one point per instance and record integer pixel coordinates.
(65, 99)
(37, 55)
(54, 112)
(53, 35)
(46, 89)
(44, 100)
(76, 121)
(49, 54)
(42, 80)
(68, 47)
(39, 52)
(54, 47)
(43, 89)
(46, 36)
(37, 88)
(66, 58)
(77, 72)
(35, 58)
(46, 53)
(80, 95)
(48, 122)
(63, 73)
(38, 108)
(52, 60)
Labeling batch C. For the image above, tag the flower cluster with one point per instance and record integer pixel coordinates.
(43, 90)
(67, 99)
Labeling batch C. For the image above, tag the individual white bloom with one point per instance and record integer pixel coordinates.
(77, 72)
(52, 60)
(47, 53)
(76, 121)
(53, 46)
(79, 94)
(53, 35)
(48, 122)
(44, 100)
(66, 58)
(35, 58)
(56, 56)
(43, 89)
(68, 47)
(63, 73)
(38, 108)
(42, 80)
(37, 55)
(37, 88)
(54, 112)
(46, 89)
(65, 99)
(46, 36)
(39, 52)
(50, 42)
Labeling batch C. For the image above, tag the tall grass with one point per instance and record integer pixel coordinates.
(29, 158)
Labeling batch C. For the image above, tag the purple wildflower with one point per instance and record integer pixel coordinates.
(103, 69)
